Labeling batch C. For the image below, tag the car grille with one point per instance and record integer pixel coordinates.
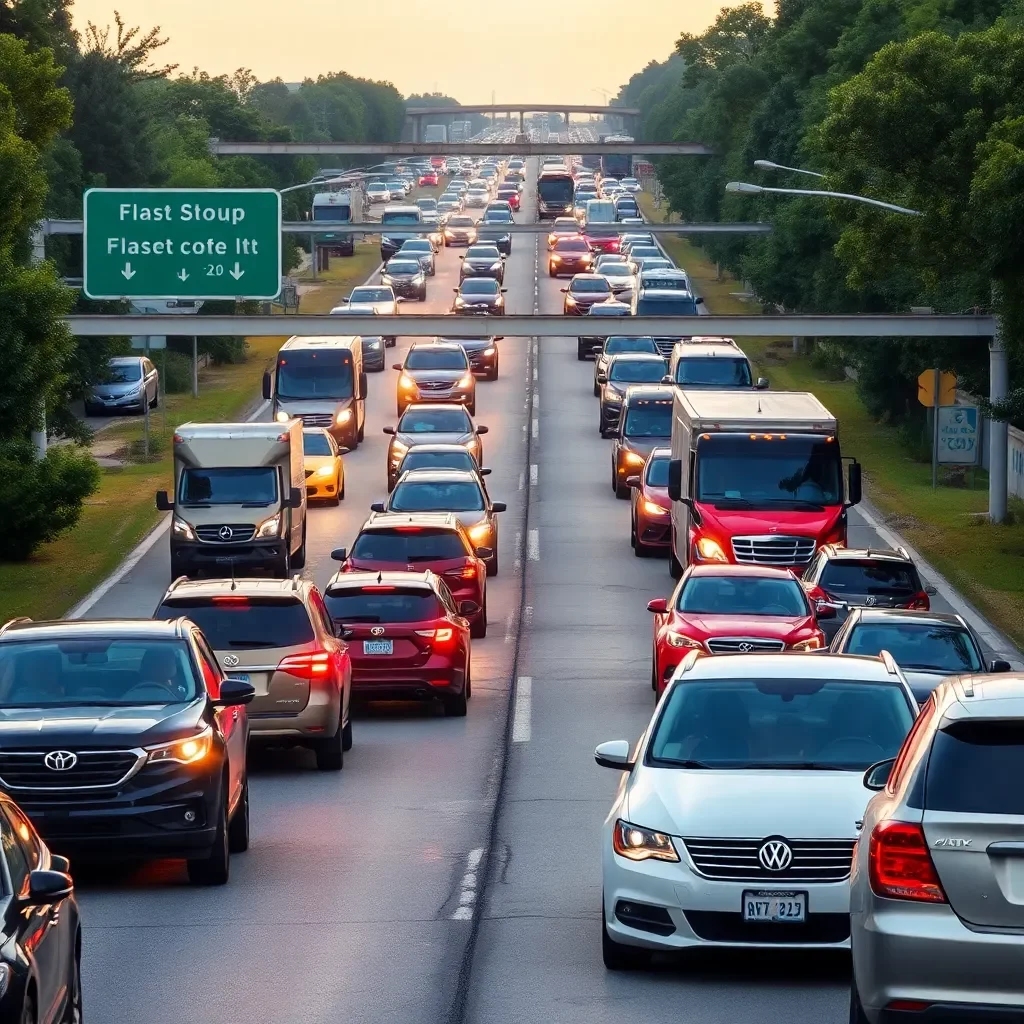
(316, 419)
(28, 770)
(239, 532)
(435, 385)
(665, 345)
(716, 926)
(814, 860)
(743, 644)
(773, 550)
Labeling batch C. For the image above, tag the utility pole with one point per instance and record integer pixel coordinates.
(38, 255)
(998, 385)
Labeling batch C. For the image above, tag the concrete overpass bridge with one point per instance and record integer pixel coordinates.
(417, 117)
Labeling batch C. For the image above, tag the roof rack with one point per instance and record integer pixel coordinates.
(176, 581)
(18, 620)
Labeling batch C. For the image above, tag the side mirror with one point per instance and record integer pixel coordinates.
(675, 479)
(481, 430)
(698, 299)
(504, 290)
(853, 490)
(396, 366)
(49, 886)
(614, 754)
(344, 451)
(456, 290)
(667, 379)
(339, 554)
(563, 289)
(59, 863)
(659, 605)
(294, 499)
(878, 774)
(163, 502)
(999, 665)
(762, 383)
(930, 590)
(389, 430)
(484, 552)
(498, 506)
(468, 608)
(462, 257)
(632, 481)
(377, 506)
(234, 693)
(825, 610)
(267, 385)
(486, 471)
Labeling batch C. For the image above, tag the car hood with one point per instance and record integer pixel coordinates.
(644, 445)
(90, 727)
(117, 390)
(479, 300)
(754, 521)
(480, 263)
(775, 627)
(434, 438)
(748, 804)
(922, 682)
(658, 495)
(449, 375)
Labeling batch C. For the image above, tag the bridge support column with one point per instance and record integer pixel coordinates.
(522, 126)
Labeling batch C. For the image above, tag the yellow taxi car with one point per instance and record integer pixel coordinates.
(325, 468)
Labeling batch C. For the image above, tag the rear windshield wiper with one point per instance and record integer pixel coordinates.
(252, 643)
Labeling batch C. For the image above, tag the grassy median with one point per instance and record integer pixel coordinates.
(947, 525)
(122, 512)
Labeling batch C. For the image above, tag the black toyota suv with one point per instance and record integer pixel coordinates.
(124, 738)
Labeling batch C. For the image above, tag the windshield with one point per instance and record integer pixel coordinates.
(889, 578)
(123, 373)
(402, 267)
(95, 671)
(659, 283)
(713, 371)
(243, 623)
(423, 358)
(334, 212)
(439, 421)
(657, 472)
(666, 305)
(436, 496)
(367, 293)
(483, 252)
(382, 604)
(555, 190)
(461, 222)
(618, 344)
(417, 459)
(647, 418)
(480, 286)
(615, 270)
(735, 471)
(316, 442)
(918, 645)
(254, 486)
(742, 595)
(780, 723)
(411, 545)
(600, 211)
(305, 374)
(416, 245)
(571, 245)
(401, 218)
(427, 204)
(637, 371)
(589, 284)
(497, 217)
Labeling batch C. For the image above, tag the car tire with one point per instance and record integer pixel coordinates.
(299, 558)
(675, 567)
(654, 672)
(330, 752)
(455, 705)
(632, 532)
(284, 566)
(238, 830)
(493, 373)
(178, 567)
(73, 1009)
(468, 688)
(361, 433)
(857, 1014)
(215, 868)
(155, 404)
(346, 736)
(597, 389)
(619, 957)
(478, 630)
(580, 354)
(341, 486)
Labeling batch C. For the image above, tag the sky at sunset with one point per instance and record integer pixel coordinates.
(532, 50)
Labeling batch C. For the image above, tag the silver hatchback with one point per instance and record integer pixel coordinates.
(937, 889)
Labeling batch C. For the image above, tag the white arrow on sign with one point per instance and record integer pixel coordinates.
(182, 275)
(236, 273)
(128, 272)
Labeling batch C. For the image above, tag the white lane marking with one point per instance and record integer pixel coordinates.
(536, 428)
(522, 480)
(535, 373)
(521, 715)
(536, 400)
(467, 887)
(519, 550)
(533, 474)
(528, 616)
(510, 624)
(533, 545)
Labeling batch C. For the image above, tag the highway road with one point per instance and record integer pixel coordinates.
(451, 872)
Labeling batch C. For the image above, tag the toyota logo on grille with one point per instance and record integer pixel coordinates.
(745, 647)
(60, 760)
(775, 855)
(377, 631)
(231, 660)
(225, 533)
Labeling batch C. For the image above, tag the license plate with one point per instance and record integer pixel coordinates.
(774, 906)
(378, 647)
(242, 677)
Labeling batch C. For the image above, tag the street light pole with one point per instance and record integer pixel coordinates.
(770, 165)
(747, 188)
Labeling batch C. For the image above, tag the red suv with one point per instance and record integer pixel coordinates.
(729, 609)
(651, 519)
(428, 178)
(400, 541)
(407, 636)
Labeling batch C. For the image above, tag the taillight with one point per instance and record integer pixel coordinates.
(919, 602)
(312, 665)
(899, 865)
(442, 639)
(466, 572)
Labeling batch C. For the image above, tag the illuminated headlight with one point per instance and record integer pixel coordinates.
(650, 509)
(496, 266)
(480, 532)
(632, 459)
(406, 382)
(612, 397)
(186, 751)
(269, 527)
(570, 300)
(398, 450)
(710, 550)
(282, 416)
(325, 471)
(636, 843)
(182, 529)
(343, 416)
(815, 643)
(466, 382)
(386, 279)
(489, 351)
(680, 640)
(555, 258)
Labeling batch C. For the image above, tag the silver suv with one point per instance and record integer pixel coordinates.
(937, 890)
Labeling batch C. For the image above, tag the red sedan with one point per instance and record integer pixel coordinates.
(405, 637)
(728, 609)
(429, 178)
(651, 519)
(601, 239)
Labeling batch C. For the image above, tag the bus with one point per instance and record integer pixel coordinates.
(554, 194)
(617, 165)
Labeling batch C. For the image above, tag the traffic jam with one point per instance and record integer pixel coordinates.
(829, 762)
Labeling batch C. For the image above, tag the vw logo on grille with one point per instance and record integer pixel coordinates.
(775, 855)
(377, 631)
(745, 647)
(225, 533)
(231, 660)
(60, 760)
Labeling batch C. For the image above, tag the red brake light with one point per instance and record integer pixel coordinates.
(920, 601)
(407, 529)
(899, 865)
(230, 599)
(311, 665)
(376, 590)
(466, 572)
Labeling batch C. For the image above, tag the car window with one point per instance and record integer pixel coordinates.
(657, 472)
(588, 284)
(316, 442)
(742, 595)
(637, 371)
(212, 672)
(436, 496)
(917, 645)
(442, 421)
(17, 863)
(317, 604)
(975, 767)
(234, 622)
(870, 577)
(713, 371)
(402, 267)
(446, 598)
(423, 357)
(778, 723)
(645, 418)
(409, 544)
(381, 603)
(615, 345)
(437, 460)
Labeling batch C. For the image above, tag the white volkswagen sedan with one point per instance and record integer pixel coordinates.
(735, 822)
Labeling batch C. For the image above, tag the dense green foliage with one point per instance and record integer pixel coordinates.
(917, 102)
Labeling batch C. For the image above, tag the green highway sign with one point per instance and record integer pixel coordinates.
(182, 243)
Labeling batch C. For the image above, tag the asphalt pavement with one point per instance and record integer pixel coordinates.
(451, 872)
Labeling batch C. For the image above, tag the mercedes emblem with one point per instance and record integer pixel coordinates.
(775, 855)
(377, 631)
(60, 760)
(231, 660)
(225, 533)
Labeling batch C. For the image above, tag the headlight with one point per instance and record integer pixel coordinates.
(282, 416)
(269, 527)
(182, 529)
(375, 343)
(386, 279)
(496, 266)
(612, 397)
(325, 471)
(466, 382)
(636, 843)
(814, 644)
(398, 450)
(651, 509)
(555, 258)
(570, 301)
(710, 550)
(680, 640)
(479, 532)
(406, 382)
(186, 751)
(489, 351)
(343, 416)
(632, 459)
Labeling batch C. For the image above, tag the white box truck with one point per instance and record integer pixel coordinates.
(756, 477)
(345, 205)
(239, 499)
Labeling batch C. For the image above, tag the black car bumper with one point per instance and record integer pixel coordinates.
(200, 558)
(496, 275)
(407, 289)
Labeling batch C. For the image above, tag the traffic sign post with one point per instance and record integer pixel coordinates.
(171, 243)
